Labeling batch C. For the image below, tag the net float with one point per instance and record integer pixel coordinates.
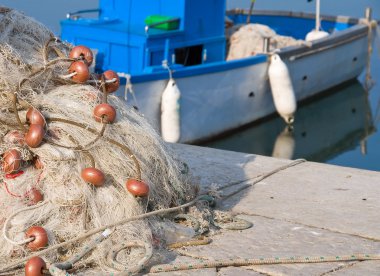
(35, 196)
(35, 266)
(105, 111)
(11, 161)
(40, 238)
(93, 176)
(15, 137)
(81, 70)
(111, 86)
(82, 52)
(137, 188)
(34, 117)
(34, 136)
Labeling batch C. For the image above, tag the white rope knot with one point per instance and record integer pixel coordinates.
(68, 76)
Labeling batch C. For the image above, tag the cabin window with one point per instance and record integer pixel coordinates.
(189, 56)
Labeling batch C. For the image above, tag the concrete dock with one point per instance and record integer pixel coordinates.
(309, 209)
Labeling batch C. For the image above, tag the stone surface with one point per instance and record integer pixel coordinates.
(234, 271)
(360, 268)
(310, 209)
(275, 238)
(175, 258)
(340, 199)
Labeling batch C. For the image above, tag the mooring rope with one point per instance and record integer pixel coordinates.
(202, 240)
(261, 261)
(257, 179)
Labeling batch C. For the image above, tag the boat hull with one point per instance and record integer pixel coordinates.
(217, 101)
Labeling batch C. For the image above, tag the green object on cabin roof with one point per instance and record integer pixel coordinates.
(168, 22)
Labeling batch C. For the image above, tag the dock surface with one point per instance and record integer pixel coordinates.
(309, 209)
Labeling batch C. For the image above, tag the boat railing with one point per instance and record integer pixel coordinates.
(76, 15)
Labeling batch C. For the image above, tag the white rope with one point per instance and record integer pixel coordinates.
(5, 227)
(114, 264)
(129, 88)
(68, 76)
(318, 15)
(165, 65)
(99, 81)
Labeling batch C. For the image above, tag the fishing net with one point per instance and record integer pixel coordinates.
(248, 40)
(48, 190)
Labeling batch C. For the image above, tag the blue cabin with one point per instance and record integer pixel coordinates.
(136, 36)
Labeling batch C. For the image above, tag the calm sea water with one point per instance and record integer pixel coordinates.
(339, 128)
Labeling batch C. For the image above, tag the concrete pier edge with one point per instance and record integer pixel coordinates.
(309, 209)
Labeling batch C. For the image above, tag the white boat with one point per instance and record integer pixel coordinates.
(210, 95)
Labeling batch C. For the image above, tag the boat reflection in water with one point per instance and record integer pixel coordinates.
(323, 128)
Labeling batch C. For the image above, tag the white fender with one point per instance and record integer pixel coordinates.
(313, 35)
(282, 89)
(170, 113)
(285, 144)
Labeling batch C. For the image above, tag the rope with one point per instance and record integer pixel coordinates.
(26, 194)
(129, 88)
(233, 224)
(369, 82)
(200, 241)
(15, 111)
(112, 257)
(193, 221)
(99, 135)
(5, 227)
(260, 261)
(9, 192)
(100, 82)
(123, 147)
(45, 49)
(104, 89)
(68, 76)
(85, 250)
(259, 179)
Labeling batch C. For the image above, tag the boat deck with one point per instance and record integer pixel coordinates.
(306, 210)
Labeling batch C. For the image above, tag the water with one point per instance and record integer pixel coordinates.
(340, 128)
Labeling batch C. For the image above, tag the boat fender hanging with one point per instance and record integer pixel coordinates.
(282, 89)
(170, 112)
(314, 35)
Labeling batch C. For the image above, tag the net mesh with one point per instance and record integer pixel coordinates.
(33, 66)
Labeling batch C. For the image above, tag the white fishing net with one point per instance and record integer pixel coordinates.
(33, 72)
(248, 40)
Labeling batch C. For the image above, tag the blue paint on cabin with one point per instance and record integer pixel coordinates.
(197, 46)
(123, 44)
